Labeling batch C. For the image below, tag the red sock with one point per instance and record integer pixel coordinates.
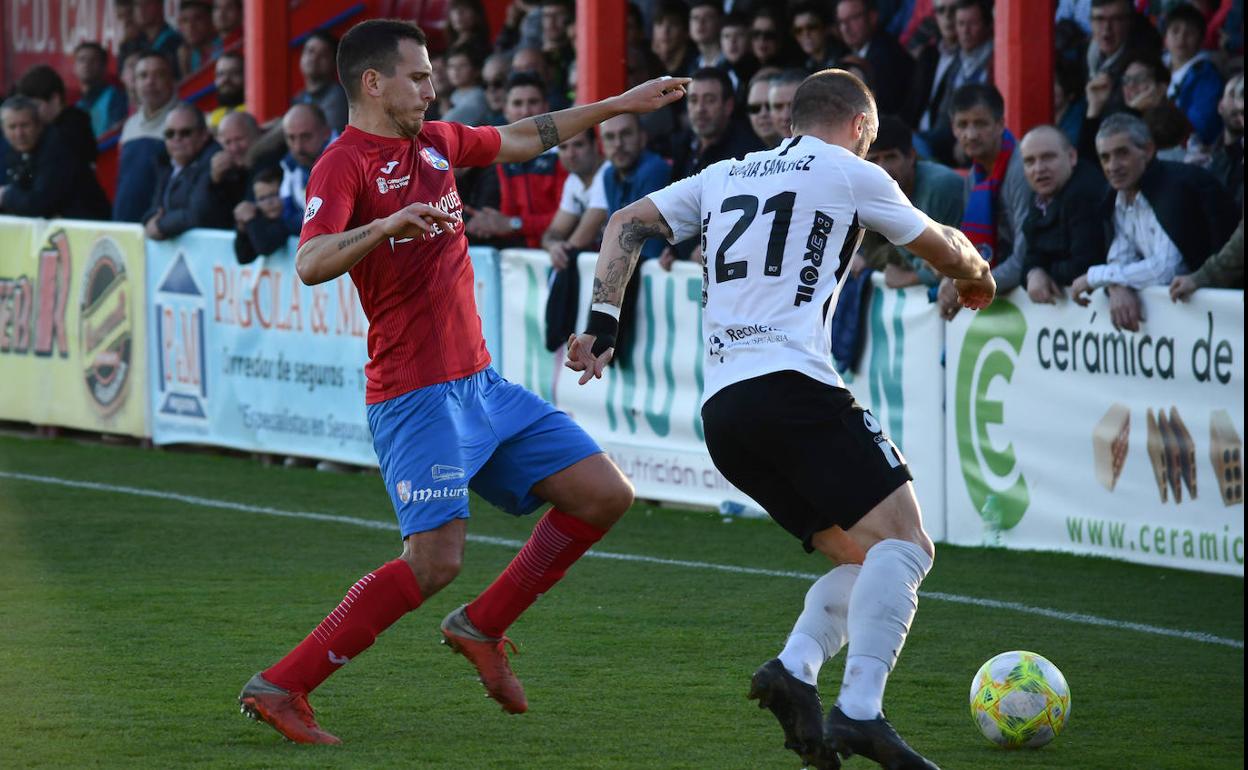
(370, 607)
(557, 542)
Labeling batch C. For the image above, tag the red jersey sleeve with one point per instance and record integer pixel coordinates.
(470, 146)
(333, 187)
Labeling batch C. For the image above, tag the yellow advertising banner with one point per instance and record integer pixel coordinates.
(73, 351)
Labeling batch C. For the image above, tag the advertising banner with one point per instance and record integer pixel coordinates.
(646, 416)
(901, 381)
(1064, 433)
(248, 357)
(72, 342)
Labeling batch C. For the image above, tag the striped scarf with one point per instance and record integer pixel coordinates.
(979, 222)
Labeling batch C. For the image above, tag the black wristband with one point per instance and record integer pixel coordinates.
(604, 328)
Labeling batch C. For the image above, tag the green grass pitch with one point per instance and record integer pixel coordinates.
(129, 623)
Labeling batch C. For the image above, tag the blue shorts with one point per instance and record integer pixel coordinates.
(480, 432)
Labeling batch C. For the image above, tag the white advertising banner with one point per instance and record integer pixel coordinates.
(899, 378)
(1065, 434)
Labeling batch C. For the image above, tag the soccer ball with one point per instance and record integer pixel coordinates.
(1019, 699)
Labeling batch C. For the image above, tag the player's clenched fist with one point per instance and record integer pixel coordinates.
(417, 219)
(976, 293)
(651, 95)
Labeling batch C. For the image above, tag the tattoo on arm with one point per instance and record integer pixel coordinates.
(610, 289)
(546, 131)
(353, 239)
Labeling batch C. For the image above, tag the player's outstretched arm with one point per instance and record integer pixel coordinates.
(328, 256)
(626, 232)
(528, 138)
(951, 253)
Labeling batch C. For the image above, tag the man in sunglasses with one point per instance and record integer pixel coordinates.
(183, 175)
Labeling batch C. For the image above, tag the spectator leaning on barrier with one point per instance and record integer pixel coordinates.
(41, 178)
(105, 102)
(1224, 270)
(1195, 83)
(230, 170)
(1064, 233)
(1227, 159)
(891, 66)
(200, 44)
(582, 212)
(182, 199)
(156, 34)
(142, 136)
(307, 135)
(228, 78)
(932, 188)
(258, 227)
(998, 197)
(320, 78)
(68, 126)
(527, 193)
(1164, 218)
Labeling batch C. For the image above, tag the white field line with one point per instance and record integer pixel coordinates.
(205, 502)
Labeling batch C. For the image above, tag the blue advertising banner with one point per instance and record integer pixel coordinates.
(246, 356)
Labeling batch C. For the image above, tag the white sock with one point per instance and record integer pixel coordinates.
(822, 628)
(881, 608)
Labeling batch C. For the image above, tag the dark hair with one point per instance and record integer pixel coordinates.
(195, 5)
(815, 9)
(326, 37)
(829, 98)
(91, 45)
(318, 114)
(268, 175)
(153, 54)
(665, 9)
(1157, 69)
(526, 79)
(23, 103)
(635, 15)
(973, 95)
(1100, 3)
(790, 76)
(1185, 14)
(717, 5)
(719, 76)
(894, 134)
(468, 50)
(373, 45)
(867, 5)
(41, 82)
(985, 8)
(735, 19)
(1070, 75)
(853, 62)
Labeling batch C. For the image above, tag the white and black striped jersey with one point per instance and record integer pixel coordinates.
(778, 228)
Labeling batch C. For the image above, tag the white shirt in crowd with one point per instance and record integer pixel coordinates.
(778, 229)
(1141, 253)
(576, 198)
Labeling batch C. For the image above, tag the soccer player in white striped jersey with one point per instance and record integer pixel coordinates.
(778, 228)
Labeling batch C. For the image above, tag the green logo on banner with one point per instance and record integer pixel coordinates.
(884, 375)
(981, 362)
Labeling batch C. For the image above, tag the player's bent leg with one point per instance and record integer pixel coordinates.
(881, 609)
(593, 490)
(435, 556)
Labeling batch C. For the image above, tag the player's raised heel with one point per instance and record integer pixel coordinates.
(871, 738)
(489, 656)
(287, 712)
(797, 707)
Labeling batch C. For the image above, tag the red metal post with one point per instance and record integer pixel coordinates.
(266, 61)
(601, 65)
(1023, 54)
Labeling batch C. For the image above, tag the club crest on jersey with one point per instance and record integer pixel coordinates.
(433, 158)
(404, 488)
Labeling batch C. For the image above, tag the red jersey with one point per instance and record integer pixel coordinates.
(416, 293)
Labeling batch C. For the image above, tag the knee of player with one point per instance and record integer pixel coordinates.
(434, 572)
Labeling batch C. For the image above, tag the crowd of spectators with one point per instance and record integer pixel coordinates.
(1138, 181)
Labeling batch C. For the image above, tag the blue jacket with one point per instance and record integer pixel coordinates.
(136, 178)
(651, 173)
(1197, 96)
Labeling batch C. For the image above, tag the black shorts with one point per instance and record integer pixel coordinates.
(804, 450)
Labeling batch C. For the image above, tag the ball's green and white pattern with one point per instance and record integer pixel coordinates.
(1019, 699)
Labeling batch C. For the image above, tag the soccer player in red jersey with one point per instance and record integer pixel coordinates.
(382, 205)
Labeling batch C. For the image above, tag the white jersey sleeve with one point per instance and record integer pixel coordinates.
(598, 190)
(572, 198)
(883, 207)
(680, 203)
